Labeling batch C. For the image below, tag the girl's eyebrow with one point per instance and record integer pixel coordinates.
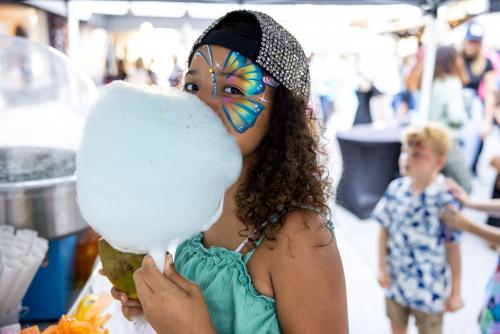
(224, 74)
(192, 72)
(227, 75)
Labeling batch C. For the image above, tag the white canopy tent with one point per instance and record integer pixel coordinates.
(126, 12)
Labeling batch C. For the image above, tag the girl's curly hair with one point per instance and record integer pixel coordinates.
(288, 172)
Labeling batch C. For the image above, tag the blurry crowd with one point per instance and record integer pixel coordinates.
(465, 96)
(140, 73)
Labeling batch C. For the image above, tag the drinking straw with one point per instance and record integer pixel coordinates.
(14, 253)
(22, 247)
(6, 230)
(14, 282)
(5, 245)
(21, 254)
(9, 275)
(6, 238)
(29, 267)
(39, 246)
(26, 234)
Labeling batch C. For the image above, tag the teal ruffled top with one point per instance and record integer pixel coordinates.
(234, 304)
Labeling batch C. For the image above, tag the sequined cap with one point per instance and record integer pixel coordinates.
(279, 53)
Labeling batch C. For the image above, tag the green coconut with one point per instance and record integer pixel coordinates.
(119, 267)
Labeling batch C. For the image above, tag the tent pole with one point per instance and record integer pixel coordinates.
(73, 31)
(428, 68)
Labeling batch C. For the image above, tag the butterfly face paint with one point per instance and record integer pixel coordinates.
(241, 110)
(239, 85)
(210, 63)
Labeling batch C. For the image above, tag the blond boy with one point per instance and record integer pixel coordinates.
(416, 251)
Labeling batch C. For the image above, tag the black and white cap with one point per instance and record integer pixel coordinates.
(278, 52)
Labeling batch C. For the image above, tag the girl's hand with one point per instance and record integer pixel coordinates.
(454, 219)
(171, 303)
(458, 191)
(130, 308)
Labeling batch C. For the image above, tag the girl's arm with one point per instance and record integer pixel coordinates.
(455, 219)
(491, 207)
(487, 232)
(307, 277)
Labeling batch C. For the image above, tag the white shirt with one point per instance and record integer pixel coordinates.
(416, 253)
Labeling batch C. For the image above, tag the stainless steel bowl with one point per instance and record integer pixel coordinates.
(38, 190)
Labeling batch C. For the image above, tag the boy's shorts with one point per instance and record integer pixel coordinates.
(426, 323)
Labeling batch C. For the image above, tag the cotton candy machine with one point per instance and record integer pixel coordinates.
(37, 190)
(44, 100)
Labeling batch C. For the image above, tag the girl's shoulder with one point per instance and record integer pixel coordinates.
(305, 263)
(303, 230)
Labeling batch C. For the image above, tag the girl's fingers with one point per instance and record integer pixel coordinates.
(131, 312)
(454, 187)
(123, 298)
(149, 276)
(132, 303)
(175, 277)
(143, 290)
(118, 295)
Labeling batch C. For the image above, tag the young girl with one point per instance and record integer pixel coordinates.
(270, 263)
(448, 108)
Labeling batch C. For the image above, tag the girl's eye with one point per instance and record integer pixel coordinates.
(232, 90)
(190, 87)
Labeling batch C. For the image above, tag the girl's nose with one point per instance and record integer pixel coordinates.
(209, 99)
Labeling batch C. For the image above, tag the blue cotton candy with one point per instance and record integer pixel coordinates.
(153, 166)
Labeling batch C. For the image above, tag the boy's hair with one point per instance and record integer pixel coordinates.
(431, 135)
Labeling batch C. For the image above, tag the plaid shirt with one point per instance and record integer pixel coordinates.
(416, 253)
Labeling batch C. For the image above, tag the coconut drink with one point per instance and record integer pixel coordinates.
(120, 267)
(152, 169)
